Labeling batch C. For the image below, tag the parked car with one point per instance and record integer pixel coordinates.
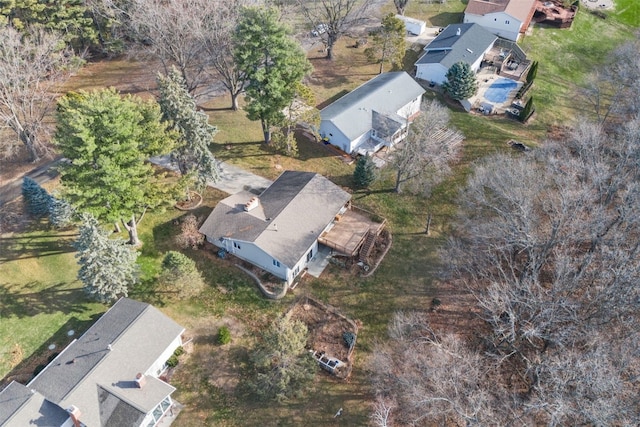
(319, 29)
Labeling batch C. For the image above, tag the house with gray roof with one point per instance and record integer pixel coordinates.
(458, 42)
(374, 115)
(278, 230)
(109, 377)
(508, 19)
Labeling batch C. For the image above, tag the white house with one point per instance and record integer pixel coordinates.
(374, 115)
(458, 42)
(412, 25)
(278, 230)
(107, 377)
(508, 19)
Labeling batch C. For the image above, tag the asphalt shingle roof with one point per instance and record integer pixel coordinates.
(449, 48)
(20, 406)
(385, 93)
(292, 213)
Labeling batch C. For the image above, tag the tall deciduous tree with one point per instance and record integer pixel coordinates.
(387, 43)
(191, 154)
(273, 63)
(107, 139)
(338, 17)
(423, 158)
(107, 266)
(282, 363)
(461, 81)
(400, 5)
(172, 31)
(31, 63)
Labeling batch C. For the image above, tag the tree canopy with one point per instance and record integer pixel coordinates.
(461, 81)
(387, 44)
(191, 153)
(107, 139)
(273, 63)
(107, 266)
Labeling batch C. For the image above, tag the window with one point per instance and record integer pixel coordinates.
(236, 245)
(276, 263)
(506, 22)
(310, 255)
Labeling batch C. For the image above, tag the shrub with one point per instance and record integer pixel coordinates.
(172, 361)
(189, 236)
(180, 275)
(349, 339)
(179, 351)
(224, 335)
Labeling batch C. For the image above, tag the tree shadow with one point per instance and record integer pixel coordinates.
(333, 99)
(27, 246)
(54, 298)
(29, 367)
(445, 18)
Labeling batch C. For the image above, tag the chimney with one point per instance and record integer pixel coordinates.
(74, 414)
(252, 204)
(458, 32)
(140, 380)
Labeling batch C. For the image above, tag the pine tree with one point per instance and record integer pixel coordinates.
(61, 213)
(533, 72)
(461, 81)
(527, 111)
(387, 43)
(365, 172)
(36, 198)
(107, 266)
(192, 155)
(180, 275)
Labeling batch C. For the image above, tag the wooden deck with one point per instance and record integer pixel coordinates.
(349, 231)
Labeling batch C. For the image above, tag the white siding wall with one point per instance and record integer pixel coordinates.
(353, 145)
(500, 24)
(256, 256)
(411, 108)
(159, 363)
(431, 73)
(336, 137)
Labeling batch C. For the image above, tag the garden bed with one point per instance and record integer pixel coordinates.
(326, 329)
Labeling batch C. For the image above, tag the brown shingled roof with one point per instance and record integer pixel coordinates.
(517, 8)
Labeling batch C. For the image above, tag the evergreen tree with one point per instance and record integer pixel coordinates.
(107, 139)
(533, 72)
(61, 213)
(461, 81)
(191, 155)
(107, 266)
(387, 43)
(180, 275)
(365, 172)
(283, 364)
(36, 198)
(527, 111)
(273, 63)
(301, 110)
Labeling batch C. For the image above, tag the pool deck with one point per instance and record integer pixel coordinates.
(486, 77)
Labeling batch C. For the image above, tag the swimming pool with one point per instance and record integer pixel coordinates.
(498, 92)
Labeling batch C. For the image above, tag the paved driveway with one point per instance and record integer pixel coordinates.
(232, 178)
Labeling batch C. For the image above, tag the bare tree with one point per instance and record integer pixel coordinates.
(171, 31)
(422, 159)
(400, 5)
(333, 19)
(31, 65)
(218, 42)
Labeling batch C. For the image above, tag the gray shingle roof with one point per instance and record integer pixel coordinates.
(19, 406)
(293, 211)
(449, 48)
(126, 340)
(385, 93)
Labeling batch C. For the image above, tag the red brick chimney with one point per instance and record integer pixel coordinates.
(74, 414)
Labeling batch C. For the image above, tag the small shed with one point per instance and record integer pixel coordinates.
(413, 26)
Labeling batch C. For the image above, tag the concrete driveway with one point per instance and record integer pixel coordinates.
(232, 178)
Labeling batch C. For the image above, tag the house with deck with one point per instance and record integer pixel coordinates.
(457, 42)
(508, 19)
(109, 377)
(280, 230)
(374, 115)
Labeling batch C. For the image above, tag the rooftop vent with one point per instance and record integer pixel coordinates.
(140, 380)
(458, 32)
(252, 204)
